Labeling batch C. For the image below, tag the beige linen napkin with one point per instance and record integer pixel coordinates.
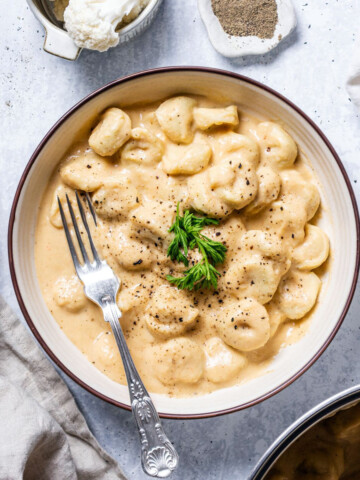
(43, 435)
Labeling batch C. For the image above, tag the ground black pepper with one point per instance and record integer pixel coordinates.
(243, 18)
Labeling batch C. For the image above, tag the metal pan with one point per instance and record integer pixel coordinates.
(329, 407)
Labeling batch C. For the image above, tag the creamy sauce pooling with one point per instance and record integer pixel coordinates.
(137, 165)
(329, 451)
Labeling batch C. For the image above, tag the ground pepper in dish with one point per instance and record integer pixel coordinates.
(243, 18)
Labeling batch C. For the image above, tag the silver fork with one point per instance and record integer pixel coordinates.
(158, 456)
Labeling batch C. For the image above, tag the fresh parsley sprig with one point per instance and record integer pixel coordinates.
(187, 230)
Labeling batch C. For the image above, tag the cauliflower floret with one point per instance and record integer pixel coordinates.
(92, 24)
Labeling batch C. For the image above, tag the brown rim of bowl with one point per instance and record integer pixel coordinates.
(63, 119)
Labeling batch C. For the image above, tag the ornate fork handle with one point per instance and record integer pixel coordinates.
(158, 456)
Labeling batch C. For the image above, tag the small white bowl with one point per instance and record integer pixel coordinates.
(339, 219)
(232, 47)
(59, 43)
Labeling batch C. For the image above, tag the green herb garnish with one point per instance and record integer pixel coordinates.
(187, 230)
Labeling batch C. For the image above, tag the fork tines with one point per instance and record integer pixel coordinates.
(69, 239)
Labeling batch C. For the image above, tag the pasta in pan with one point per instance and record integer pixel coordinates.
(328, 451)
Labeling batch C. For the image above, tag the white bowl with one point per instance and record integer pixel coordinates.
(58, 42)
(339, 219)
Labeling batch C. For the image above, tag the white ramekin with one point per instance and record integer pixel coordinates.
(59, 43)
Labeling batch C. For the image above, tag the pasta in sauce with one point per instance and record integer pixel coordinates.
(328, 451)
(137, 165)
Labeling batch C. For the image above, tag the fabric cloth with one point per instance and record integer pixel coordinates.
(353, 83)
(43, 435)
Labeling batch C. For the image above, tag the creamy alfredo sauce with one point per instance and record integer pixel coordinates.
(227, 165)
(329, 451)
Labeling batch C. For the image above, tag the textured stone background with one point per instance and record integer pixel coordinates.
(310, 68)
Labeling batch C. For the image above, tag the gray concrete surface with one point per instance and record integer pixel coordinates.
(310, 68)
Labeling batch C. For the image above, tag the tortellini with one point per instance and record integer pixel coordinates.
(143, 148)
(243, 325)
(305, 192)
(268, 191)
(69, 293)
(105, 349)
(239, 151)
(175, 117)
(206, 118)
(222, 362)
(117, 197)
(285, 218)
(204, 199)
(179, 360)
(230, 234)
(234, 187)
(134, 298)
(277, 147)
(170, 312)
(276, 317)
(314, 250)
(258, 267)
(297, 293)
(153, 219)
(187, 160)
(130, 253)
(229, 185)
(54, 215)
(111, 133)
(85, 171)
